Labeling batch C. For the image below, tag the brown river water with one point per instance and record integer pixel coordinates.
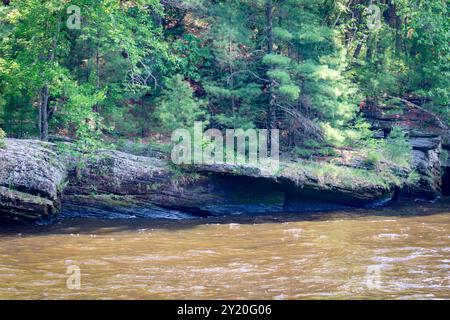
(398, 252)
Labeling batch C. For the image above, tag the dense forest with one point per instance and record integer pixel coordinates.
(103, 71)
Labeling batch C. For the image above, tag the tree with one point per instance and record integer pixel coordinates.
(177, 108)
(233, 88)
(139, 66)
(34, 45)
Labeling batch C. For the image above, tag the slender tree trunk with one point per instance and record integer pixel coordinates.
(269, 21)
(395, 22)
(398, 36)
(96, 107)
(369, 50)
(45, 97)
(43, 113)
(357, 50)
(356, 11)
(269, 17)
(231, 70)
(45, 91)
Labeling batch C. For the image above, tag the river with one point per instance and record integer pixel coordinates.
(398, 252)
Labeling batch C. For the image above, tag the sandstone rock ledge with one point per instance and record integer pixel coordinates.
(31, 180)
(118, 183)
(37, 183)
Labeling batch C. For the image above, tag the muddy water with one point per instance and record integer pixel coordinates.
(400, 252)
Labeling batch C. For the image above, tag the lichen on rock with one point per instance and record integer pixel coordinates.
(31, 178)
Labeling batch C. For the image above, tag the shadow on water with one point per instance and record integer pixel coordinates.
(91, 224)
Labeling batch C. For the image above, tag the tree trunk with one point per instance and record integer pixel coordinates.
(398, 36)
(395, 22)
(369, 51)
(269, 17)
(269, 20)
(45, 97)
(356, 12)
(43, 113)
(357, 50)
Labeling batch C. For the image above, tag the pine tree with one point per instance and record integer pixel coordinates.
(233, 87)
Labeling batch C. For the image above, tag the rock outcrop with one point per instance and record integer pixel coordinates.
(121, 183)
(31, 180)
(426, 133)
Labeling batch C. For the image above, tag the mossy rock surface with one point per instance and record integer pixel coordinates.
(31, 180)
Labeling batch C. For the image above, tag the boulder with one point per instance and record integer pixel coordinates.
(31, 180)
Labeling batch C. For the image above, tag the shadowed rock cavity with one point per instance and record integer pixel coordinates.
(446, 182)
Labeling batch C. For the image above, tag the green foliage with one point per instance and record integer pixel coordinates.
(276, 60)
(330, 174)
(136, 68)
(89, 72)
(359, 133)
(313, 152)
(282, 34)
(177, 108)
(395, 150)
(2, 138)
(142, 148)
(278, 75)
(397, 147)
(413, 178)
(372, 158)
(290, 92)
(333, 136)
(400, 58)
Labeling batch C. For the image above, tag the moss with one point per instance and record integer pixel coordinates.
(413, 178)
(15, 196)
(143, 149)
(182, 175)
(313, 152)
(2, 139)
(329, 175)
(372, 158)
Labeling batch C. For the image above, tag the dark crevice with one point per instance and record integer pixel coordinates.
(446, 182)
(29, 190)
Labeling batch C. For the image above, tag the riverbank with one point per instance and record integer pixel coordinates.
(37, 182)
(40, 180)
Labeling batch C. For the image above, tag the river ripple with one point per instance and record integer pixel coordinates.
(399, 252)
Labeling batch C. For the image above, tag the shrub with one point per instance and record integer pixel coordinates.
(398, 148)
(373, 158)
(2, 138)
